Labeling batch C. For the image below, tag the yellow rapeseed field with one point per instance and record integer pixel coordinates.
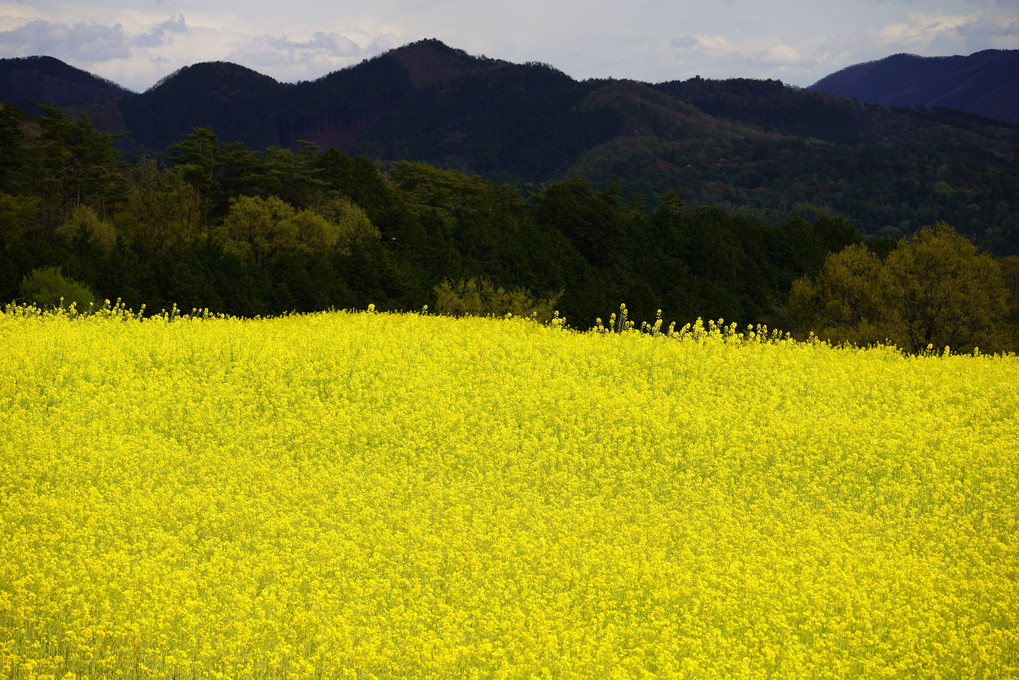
(362, 495)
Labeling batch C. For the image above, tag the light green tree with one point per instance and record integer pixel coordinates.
(934, 290)
(350, 220)
(85, 223)
(479, 297)
(842, 302)
(939, 291)
(259, 229)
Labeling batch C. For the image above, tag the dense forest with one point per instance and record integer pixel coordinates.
(222, 227)
(261, 232)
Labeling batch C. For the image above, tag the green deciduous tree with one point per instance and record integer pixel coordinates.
(939, 291)
(350, 222)
(933, 290)
(843, 302)
(85, 225)
(261, 228)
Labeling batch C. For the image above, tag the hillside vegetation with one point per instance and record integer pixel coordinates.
(758, 149)
(252, 233)
(395, 496)
(264, 232)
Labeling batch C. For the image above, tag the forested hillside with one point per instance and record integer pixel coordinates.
(757, 149)
(250, 232)
(261, 232)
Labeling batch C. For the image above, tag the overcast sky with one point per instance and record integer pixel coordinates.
(137, 42)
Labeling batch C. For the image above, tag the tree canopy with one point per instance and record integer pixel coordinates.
(933, 290)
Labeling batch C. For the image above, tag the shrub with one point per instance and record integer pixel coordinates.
(50, 289)
(479, 297)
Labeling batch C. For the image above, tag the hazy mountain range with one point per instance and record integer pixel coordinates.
(754, 147)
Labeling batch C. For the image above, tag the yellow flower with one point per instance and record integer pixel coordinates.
(380, 495)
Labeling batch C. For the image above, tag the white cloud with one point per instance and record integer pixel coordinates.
(162, 33)
(79, 42)
(751, 56)
(922, 28)
(291, 60)
(15, 14)
(780, 54)
(684, 42)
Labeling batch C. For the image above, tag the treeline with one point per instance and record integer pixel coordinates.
(224, 227)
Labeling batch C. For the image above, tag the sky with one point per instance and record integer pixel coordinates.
(135, 43)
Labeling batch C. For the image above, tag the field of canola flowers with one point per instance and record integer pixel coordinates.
(361, 495)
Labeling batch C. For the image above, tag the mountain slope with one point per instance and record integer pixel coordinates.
(25, 81)
(226, 97)
(45, 79)
(986, 83)
(755, 148)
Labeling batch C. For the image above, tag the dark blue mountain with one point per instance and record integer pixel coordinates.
(985, 83)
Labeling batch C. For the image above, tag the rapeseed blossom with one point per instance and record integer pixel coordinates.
(364, 495)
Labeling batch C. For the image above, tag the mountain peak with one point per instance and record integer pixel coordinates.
(431, 61)
(216, 71)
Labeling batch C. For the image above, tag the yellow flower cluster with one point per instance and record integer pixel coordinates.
(362, 495)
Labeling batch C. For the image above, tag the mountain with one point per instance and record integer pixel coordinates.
(424, 101)
(986, 83)
(756, 148)
(27, 80)
(45, 79)
(223, 96)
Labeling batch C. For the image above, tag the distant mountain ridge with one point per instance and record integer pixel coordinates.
(24, 81)
(48, 79)
(752, 147)
(985, 83)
